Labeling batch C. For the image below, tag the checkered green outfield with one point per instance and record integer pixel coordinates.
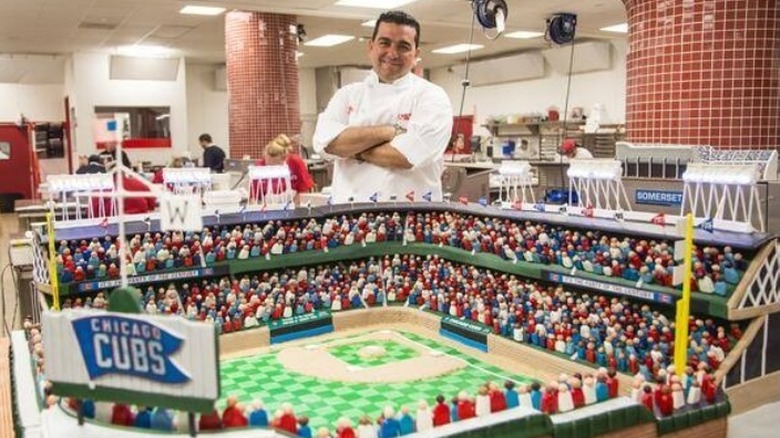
(263, 377)
(394, 352)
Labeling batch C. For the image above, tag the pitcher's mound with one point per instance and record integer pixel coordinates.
(372, 352)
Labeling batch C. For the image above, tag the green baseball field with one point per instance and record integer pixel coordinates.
(356, 375)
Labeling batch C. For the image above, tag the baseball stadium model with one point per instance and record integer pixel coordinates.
(387, 319)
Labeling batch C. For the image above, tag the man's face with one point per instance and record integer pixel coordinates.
(393, 52)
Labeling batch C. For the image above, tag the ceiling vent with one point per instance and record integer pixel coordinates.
(92, 25)
(170, 31)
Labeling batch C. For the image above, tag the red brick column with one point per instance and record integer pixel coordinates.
(704, 72)
(262, 75)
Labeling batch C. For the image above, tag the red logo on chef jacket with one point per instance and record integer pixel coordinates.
(350, 109)
(404, 117)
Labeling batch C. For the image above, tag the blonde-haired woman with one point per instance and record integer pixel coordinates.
(278, 152)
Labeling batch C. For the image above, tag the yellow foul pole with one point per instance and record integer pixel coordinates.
(684, 303)
(53, 278)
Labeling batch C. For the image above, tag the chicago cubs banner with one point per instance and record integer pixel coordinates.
(131, 353)
(119, 345)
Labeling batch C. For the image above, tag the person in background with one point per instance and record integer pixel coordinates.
(93, 164)
(387, 133)
(570, 150)
(213, 155)
(109, 155)
(279, 152)
(134, 205)
(457, 145)
(176, 162)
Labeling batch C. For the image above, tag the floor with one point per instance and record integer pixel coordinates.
(763, 422)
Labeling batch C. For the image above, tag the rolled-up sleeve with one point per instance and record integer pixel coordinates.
(429, 128)
(332, 121)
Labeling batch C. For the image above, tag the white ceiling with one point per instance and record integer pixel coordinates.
(60, 27)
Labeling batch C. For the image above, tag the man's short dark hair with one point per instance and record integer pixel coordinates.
(205, 137)
(402, 18)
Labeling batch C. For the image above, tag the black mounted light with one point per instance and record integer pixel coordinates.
(561, 28)
(491, 14)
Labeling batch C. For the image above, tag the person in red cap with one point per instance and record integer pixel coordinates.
(441, 413)
(571, 150)
(287, 421)
(233, 415)
(210, 421)
(122, 415)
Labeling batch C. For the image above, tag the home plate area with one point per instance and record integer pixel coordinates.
(357, 375)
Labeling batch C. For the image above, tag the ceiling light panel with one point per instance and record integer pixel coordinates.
(201, 10)
(616, 28)
(374, 4)
(458, 48)
(523, 34)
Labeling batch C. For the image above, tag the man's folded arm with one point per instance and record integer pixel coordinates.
(385, 155)
(356, 139)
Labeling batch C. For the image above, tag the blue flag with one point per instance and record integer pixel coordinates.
(427, 196)
(539, 207)
(330, 200)
(287, 205)
(483, 201)
(374, 198)
(113, 344)
(707, 225)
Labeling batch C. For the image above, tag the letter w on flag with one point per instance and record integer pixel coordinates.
(180, 213)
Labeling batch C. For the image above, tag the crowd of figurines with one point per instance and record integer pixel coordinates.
(660, 391)
(607, 332)
(716, 270)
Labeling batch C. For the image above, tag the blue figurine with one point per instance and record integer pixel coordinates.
(536, 396)
(454, 410)
(602, 390)
(406, 422)
(730, 275)
(512, 398)
(390, 427)
(88, 407)
(162, 419)
(143, 419)
(258, 417)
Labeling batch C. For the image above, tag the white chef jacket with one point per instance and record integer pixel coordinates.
(416, 104)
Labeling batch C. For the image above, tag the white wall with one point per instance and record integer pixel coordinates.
(87, 82)
(38, 103)
(605, 87)
(307, 92)
(207, 108)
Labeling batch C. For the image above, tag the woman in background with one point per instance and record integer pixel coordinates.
(278, 152)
